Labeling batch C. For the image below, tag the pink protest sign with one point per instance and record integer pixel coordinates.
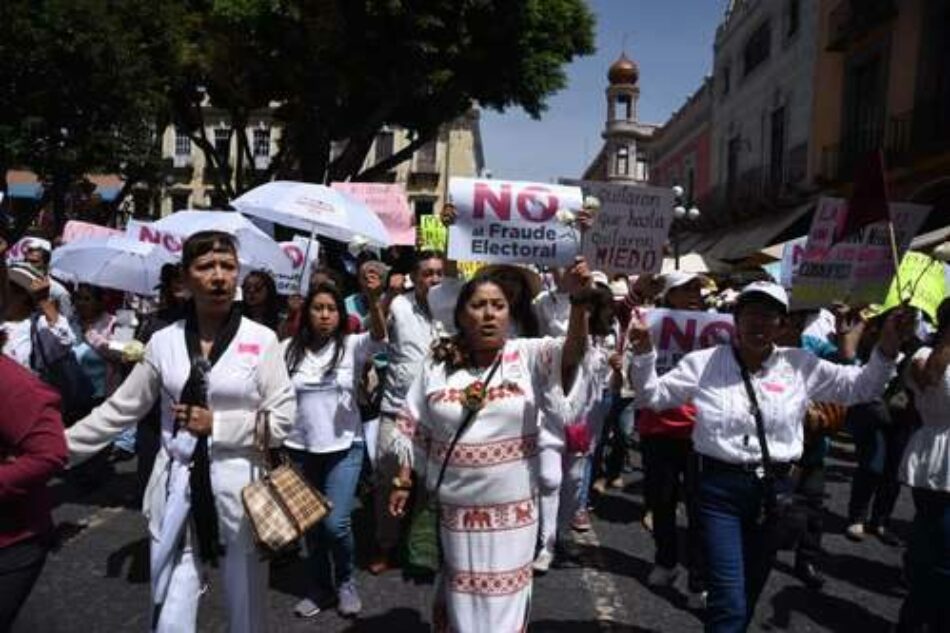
(76, 230)
(389, 203)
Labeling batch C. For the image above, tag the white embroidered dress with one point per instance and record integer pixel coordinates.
(488, 519)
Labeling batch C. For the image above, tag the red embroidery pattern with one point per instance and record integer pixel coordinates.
(507, 390)
(502, 583)
(407, 426)
(491, 518)
(488, 453)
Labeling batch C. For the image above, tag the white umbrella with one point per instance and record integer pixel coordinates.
(114, 261)
(256, 249)
(313, 208)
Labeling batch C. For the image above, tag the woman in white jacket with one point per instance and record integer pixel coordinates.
(214, 372)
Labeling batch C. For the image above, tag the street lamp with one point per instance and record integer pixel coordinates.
(683, 211)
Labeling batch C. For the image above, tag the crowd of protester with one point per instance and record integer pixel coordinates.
(489, 414)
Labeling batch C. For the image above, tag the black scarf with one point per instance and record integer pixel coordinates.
(195, 392)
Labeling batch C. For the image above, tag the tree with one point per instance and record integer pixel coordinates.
(85, 82)
(342, 69)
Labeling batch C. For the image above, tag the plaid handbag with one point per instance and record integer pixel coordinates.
(281, 506)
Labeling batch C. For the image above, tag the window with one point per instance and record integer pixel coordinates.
(384, 146)
(757, 48)
(425, 158)
(794, 17)
(182, 143)
(222, 143)
(623, 161)
(726, 78)
(261, 143)
(180, 200)
(624, 107)
(421, 207)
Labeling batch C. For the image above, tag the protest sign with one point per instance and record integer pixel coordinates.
(792, 255)
(432, 233)
(675, 333)
(76, 230)
(302, 261)
(630, 229)
(922, 282)
(857, 270)
(389, 203)
(501, 221)
(286, 272)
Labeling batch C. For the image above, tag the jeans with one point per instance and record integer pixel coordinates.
(811, 490)
(669, 476)
(928, 564)
(738, 558)
(336, 476)
(619, 436)
(879, 445)
(20, 566)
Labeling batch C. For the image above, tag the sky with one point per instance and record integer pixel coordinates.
(671, 41)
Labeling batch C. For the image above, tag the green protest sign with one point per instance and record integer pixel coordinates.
(922, 282)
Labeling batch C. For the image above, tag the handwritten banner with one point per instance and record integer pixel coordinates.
(432, 233)
(859, 269)
(505, 221)
(631, 228)
(389, 203)
(922, 281)
(76, 230)
(675, 333)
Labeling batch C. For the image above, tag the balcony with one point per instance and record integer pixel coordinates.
(906, 137)
(851, 19)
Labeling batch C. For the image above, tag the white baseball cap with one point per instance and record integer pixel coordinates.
(38, 243)
(600, 277)
(769, 289)
(676, 279)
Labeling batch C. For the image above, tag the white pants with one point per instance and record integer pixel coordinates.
(244, 577)
(561, 476)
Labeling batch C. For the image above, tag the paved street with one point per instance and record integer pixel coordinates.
(98, 581)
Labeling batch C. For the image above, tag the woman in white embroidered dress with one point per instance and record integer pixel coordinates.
(488, 498)
(213, 371)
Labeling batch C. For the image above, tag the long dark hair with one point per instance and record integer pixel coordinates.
(271, 309)
(454, 351)
(518, 292)
(306, 339)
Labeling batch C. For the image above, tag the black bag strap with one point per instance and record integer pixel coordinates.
(469, 416)
(759, 421)
(36, 346)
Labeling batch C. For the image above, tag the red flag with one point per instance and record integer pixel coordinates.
(868, 202)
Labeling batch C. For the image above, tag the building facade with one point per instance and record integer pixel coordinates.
(456, 151)
(681, 149)
(882, 80)
(762, 92)
(625, 154)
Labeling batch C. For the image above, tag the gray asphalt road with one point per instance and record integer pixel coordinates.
(98, 580)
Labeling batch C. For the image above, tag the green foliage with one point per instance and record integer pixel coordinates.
(88, 83)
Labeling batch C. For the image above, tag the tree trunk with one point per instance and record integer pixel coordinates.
(311, 144)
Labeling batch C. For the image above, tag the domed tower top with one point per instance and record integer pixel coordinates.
(623, 71)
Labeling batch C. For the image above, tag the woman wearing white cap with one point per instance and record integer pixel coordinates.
(743, 393)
